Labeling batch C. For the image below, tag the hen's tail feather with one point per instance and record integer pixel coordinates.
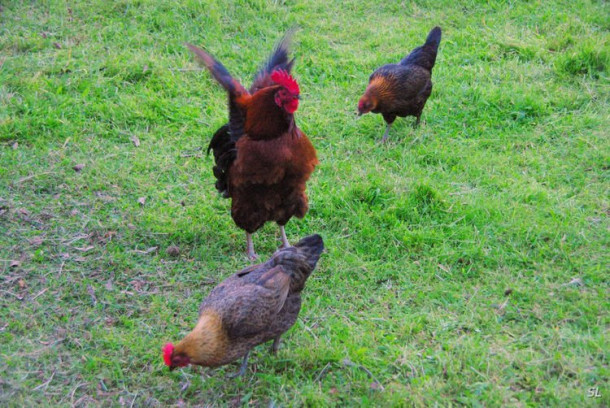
(300, 260)
(434, 38)
(277, 60)
(425, 55)
(311, 247)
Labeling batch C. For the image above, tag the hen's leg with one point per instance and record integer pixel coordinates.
(285, 243)
(276, 344)
(387, 133)
(250, 247)
(417, 121)
(389, 119)
(242, 367)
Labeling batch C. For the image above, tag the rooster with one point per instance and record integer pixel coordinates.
(262, 159)
(402, 89)
(249, 308)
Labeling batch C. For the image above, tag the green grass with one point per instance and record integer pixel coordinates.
(504, 186)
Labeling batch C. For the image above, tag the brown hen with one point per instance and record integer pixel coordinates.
(402, 89)
(249, 308)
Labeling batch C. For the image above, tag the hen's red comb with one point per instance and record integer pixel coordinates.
(281, 77)
(168, 349)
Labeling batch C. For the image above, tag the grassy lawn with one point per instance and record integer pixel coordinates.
(467, 260)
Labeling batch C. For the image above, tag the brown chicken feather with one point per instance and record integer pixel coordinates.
(251, 307)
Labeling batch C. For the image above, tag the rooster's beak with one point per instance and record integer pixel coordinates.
(172, 368)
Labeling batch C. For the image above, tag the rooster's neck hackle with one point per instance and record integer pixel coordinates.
(264, 118)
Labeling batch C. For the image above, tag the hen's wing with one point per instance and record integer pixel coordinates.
(398, 83)
(248, 302)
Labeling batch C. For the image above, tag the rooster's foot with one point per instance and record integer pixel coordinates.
(285, 243)
(250, 247)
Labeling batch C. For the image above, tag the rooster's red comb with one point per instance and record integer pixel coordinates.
(281, 77)
(168, 350)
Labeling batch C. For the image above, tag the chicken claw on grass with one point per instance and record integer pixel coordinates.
(386, 134)
(242, 367)
(276, 345)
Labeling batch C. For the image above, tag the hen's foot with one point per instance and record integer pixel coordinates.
(242, 367)
(276, 345)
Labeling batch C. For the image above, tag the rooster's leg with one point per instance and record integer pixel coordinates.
(276, 344)
(242, 367)
(285, 243)
(417, 121)
(250, 247)
(387, 133)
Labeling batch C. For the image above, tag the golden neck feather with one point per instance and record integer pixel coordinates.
(207, 343)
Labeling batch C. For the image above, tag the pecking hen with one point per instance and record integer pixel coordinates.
(402, 89)
(249, 308)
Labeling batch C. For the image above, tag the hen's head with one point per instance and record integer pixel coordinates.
(287, 95)
(172, 359)
(366, 104)
(205, 345)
